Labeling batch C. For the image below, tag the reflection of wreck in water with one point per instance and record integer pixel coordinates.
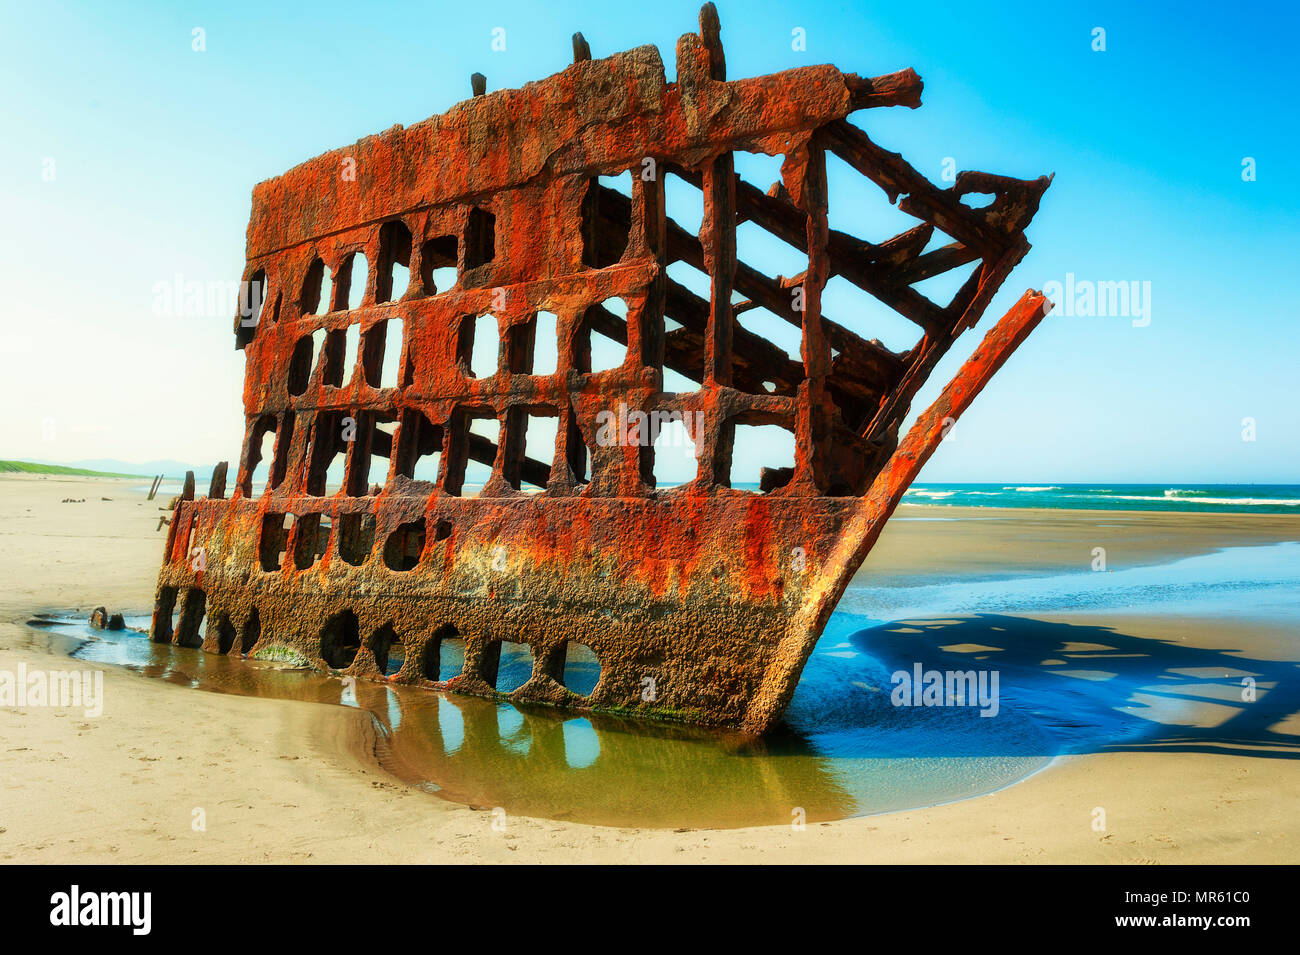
(843, 749)
(600, 769)
(701, 602)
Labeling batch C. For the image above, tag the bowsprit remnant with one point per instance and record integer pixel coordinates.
(362, 550)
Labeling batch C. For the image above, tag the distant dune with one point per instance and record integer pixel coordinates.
(27, 467)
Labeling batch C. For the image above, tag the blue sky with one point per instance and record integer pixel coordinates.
(156, 147)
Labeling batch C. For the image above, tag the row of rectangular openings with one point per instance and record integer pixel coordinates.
(330, 469)
(439, 264)
(345, 288)
(268, 453)
(402, 551)
(757, 455)
(442, 659)
(191, 629)
(606, 220)
(532, 434)
(599, 343)
(508, 665)
(767, 357)
(754, 457)
(337, 353)
(371, 437)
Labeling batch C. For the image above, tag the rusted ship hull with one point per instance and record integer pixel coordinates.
(701, 602)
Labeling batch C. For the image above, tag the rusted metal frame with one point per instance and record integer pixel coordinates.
(779, 216)
(581, 48)
(815, 347)
(817, 425)
(718, 241)
(787, 374)
(361, 450)
(679, 303)
(935, 262)
(870, 267)
(751, 353)
(883, 365)
(901, 88)
(989, 278)
(776, 298)
(483, 451)
(698, 120)
(316, 400)
(711, 37)
(896, 176)
(760, 359)
(756, 359)
(873, 510)
(648, 209)
(793, 99)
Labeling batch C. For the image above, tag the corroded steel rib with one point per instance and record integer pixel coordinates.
(875, 508)
(700, 601)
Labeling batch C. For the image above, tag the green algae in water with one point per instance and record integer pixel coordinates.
(279, 653)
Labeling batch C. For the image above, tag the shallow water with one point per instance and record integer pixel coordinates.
(1265, 579)
(845, 748)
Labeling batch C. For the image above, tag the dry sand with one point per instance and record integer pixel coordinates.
(282, 781)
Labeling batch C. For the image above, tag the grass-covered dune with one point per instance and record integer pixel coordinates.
(27, 467)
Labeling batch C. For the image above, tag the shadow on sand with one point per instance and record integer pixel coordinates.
(1096, 689)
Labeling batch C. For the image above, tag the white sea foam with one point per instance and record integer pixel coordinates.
(1254, 501)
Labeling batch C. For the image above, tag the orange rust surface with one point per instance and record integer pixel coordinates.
(700, 601)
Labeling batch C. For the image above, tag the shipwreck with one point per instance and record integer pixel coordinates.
(363, 545)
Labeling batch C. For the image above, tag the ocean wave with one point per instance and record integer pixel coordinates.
(1052, 487)
(1251, 501)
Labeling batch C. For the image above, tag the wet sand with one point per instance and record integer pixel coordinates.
(281, 781)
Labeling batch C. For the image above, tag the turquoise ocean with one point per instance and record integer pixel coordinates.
(1203, 498)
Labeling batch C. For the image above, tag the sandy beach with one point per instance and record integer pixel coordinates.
(283, 781)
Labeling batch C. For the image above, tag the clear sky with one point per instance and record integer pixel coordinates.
(128, 158)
